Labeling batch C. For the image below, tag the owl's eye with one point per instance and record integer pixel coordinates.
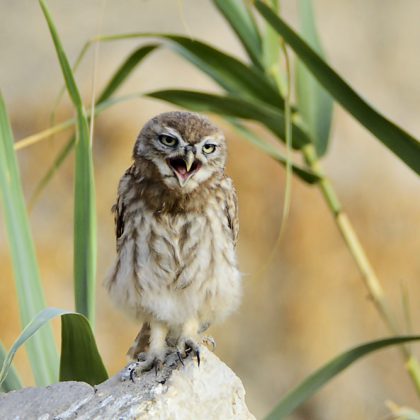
(168, 140)
(209, 148)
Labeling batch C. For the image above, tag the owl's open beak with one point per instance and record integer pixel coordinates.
(184, 167)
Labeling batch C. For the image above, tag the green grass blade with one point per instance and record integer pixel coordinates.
(103, 102)
(241, 20)
(84, 203)
(231, 74)
(405, 146)
(304, 174)
(323, 375)
(11, 381)
(271, 55)
(314, 102)
(80, 359)
(121, 74)
(233, 107)
(77, 337)
(41, 351)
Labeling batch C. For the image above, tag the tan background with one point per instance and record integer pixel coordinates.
(309, 303)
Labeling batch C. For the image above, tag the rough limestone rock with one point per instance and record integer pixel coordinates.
(211, 391)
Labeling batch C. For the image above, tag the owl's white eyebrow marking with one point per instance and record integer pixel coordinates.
(172, 132)
(214, 139)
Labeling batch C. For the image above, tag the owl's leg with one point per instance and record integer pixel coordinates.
(189, 339)
(158, 349)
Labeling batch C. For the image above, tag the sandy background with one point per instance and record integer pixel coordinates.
(306, 304)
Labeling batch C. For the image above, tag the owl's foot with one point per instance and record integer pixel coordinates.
(144, 363)
(186, 346)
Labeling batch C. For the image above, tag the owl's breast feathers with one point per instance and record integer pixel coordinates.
(167, 241)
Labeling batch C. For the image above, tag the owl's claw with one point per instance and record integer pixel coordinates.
(178, 353)
(188, 345)
(208, 341)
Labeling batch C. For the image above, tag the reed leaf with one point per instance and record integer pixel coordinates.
(305, 175)
(103, 102)
(402, 144)
(41, 350)
(239, 16)
(315, 104)
(84, 251)
(11, 380)
(231, 106)
(80, 359)
(322, 376)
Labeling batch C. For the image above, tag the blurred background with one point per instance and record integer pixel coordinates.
(305, 304)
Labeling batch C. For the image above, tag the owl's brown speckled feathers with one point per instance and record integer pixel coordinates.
(176, 226)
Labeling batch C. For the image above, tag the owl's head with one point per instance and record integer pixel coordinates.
(186, 149)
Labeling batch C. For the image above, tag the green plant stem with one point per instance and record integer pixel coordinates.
(349, 235)
(352, 241)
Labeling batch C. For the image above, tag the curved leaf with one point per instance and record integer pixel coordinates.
(102, 103)
(125, 70)
(80, 359)
(84, 251)
(84, 363)
(11, 380)
(314, 102)
(232, 107)
(237, 78)
(41, 350)
(240, 18)
(304, 174)
(405, 146)
(323, 375)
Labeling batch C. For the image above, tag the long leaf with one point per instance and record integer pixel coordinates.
(126, 68)
(11, 381)
(41, 350)
(233, 75)
(314, 102)
(323, 375)
(405, 146)
(84, 363)
(80, 360)
(230, 73)
(240, 18)
(84, 252)
(232, 107)
(103, 102)
(304, 174)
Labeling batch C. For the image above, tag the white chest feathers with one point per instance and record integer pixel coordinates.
(175, 267)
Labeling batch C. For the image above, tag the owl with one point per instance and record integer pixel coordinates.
(176, 219)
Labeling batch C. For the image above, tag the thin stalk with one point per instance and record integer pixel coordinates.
(368, 274)
(350, 238)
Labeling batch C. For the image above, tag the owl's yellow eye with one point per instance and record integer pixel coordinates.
(209, 148)
(168, 140)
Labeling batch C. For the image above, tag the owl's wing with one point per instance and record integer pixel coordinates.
(119, 207)
(231, 208)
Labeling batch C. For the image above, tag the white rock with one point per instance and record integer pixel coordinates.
(211, 391)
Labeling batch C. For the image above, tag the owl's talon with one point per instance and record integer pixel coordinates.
(129, 372)
(178, 353)
(208, 341)
(197, 353)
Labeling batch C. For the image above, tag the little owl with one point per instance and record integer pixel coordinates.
(176, 220)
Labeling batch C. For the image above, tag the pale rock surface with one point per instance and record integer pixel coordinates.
(211, 391)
